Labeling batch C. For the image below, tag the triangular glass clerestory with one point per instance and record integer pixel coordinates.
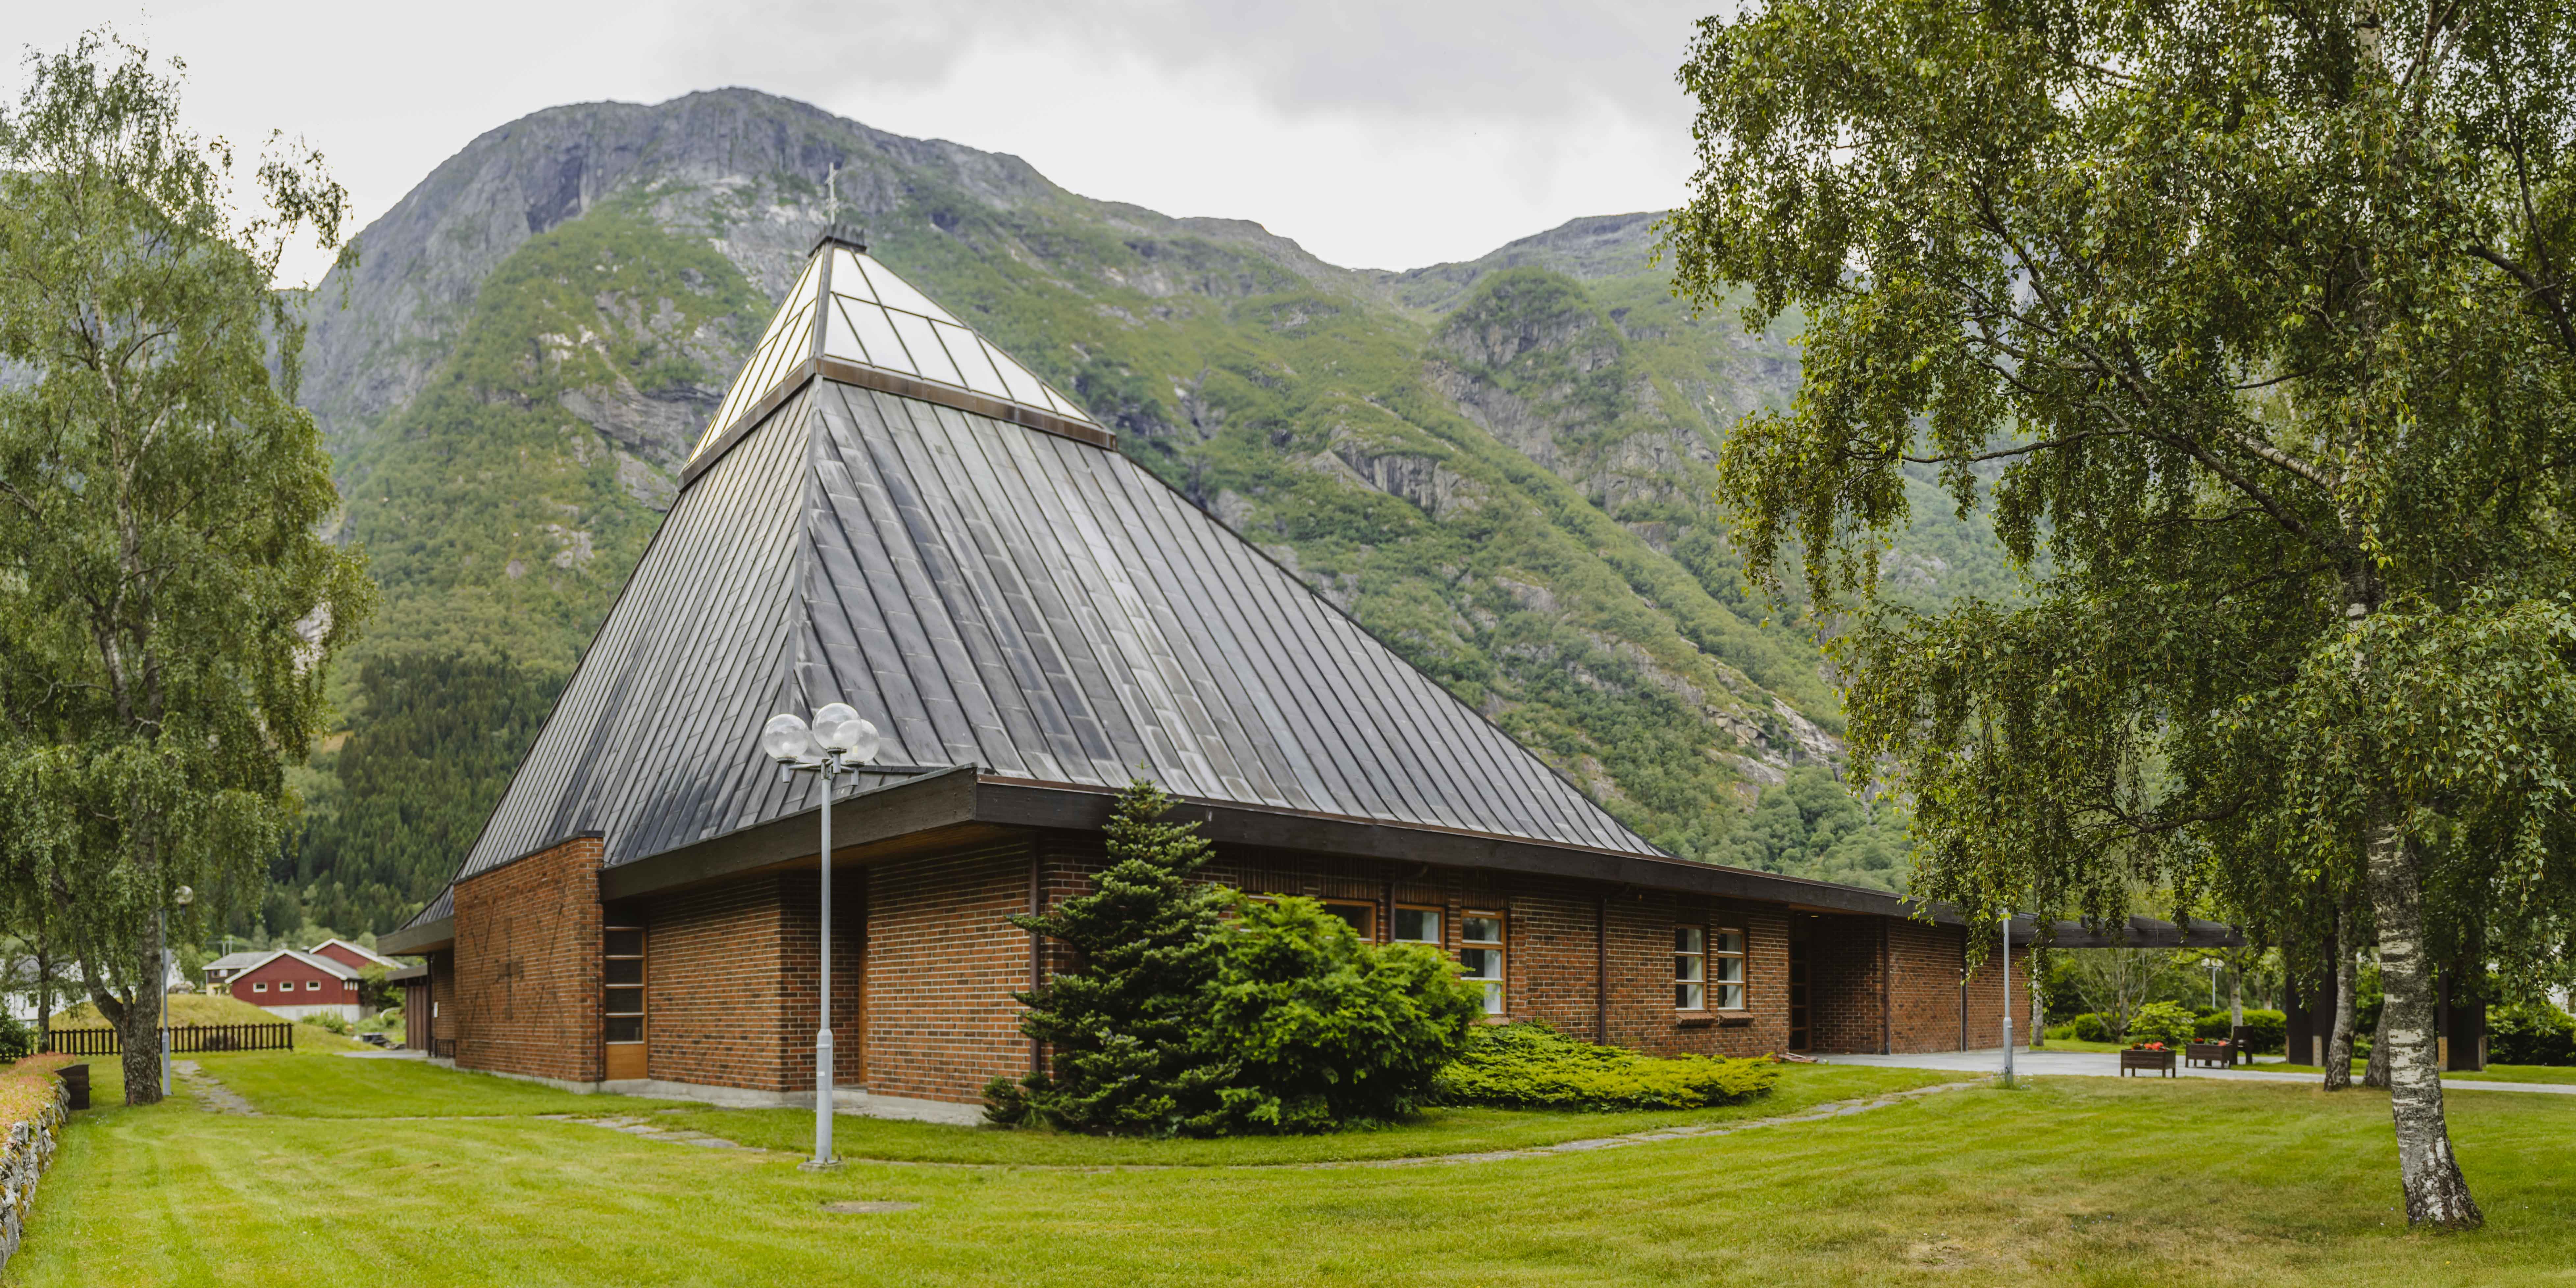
(849, 307)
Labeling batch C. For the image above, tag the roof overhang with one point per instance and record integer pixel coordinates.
(428, 936)
(962, 802)
(405, 974)
(964, 805)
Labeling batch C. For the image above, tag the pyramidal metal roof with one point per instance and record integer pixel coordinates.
(991, 585)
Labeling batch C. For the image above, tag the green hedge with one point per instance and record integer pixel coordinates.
(2270, 1029)
(1531, 1066)
(2534, 1034)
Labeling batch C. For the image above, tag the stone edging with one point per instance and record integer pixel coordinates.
(30, 1150)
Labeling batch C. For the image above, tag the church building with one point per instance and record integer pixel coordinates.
(888, 511)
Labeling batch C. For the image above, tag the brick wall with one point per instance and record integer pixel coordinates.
(1985, 999)
(942, 963)
(1845, 987)
(528, 965)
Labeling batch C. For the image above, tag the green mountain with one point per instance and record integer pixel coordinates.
(1501, 467)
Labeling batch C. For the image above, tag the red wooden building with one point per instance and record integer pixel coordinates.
(888, 511)
(297, 984)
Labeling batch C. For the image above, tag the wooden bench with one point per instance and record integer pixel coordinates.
(2133, 1060)
(2210, 1054)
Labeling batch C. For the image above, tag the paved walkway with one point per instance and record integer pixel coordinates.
(2106, 1064)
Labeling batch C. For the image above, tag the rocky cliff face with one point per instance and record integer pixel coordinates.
(1501, 466)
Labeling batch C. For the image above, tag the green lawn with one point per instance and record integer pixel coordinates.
(325, 1084)
(1446, 1131)
(2077, 1180)
(2492, 1073)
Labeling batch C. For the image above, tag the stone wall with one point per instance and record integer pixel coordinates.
(23, 1160)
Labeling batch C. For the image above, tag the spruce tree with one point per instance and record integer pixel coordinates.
(1121, 1024)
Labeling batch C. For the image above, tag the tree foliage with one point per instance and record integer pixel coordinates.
(2258, 315)
(166, 607)
(1192, 1010)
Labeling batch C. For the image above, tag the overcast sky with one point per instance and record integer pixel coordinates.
(1382, 135)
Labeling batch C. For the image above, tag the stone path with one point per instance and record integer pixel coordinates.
(645, 1129)
(212, 1096)
(1818, 1113)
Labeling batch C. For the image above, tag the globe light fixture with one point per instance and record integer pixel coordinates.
(837, 742)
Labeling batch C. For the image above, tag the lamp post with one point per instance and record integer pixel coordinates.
(183, 896)
(838, 741)
(2212, 964)
(2008, 1034)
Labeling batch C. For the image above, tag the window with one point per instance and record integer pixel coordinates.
(1480, 939)
(623, 975)
(1726, 968)
(1362, 916)
(312, 986)
(260, 986)
(1690, 968)
(1417, 926)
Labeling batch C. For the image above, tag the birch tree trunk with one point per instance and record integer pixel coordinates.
(2347, 979)
(2375, 1074)
(2436, 1194)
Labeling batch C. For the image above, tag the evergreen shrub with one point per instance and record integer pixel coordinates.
(1531, 1066)
(1324, 1028)
(17, 1040)
(2531, 1033)
(2166, 1022)
(1190, 1010)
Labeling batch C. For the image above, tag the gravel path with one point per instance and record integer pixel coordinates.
(212, 1095)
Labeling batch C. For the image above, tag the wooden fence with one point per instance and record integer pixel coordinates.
(184, 1038)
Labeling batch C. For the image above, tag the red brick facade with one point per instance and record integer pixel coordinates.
(527, 975)
(926, 962)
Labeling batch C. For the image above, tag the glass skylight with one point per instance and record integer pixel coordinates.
(876, 319)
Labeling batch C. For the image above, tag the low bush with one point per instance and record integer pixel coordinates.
(2090, 1027)
(331, 1022)
(17, 1041)
(2165, 1022)
(1531, 1066)
(2535, 1033)
(2266, 1030)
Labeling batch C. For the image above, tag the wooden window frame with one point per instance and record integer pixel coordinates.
(1498, 999)
(1368, 929)
(1742, 957)
(1438, 939)
(1690, 969)
(642, 1017)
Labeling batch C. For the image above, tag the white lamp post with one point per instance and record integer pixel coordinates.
(2212, 964)
(838, 741)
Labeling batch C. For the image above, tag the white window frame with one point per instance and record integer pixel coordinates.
(1730, 978)
(1493, 954)
(312, 986)
(259, 986)
(1690, 968)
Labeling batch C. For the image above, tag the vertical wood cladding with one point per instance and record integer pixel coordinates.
(527, 951)
(943, 961)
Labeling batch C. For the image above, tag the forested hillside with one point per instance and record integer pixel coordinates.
(1501, 467)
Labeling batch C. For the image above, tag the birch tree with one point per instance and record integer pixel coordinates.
(166, 607)
(2255, 318)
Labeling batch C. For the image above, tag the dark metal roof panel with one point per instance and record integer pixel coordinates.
(1118, 628)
